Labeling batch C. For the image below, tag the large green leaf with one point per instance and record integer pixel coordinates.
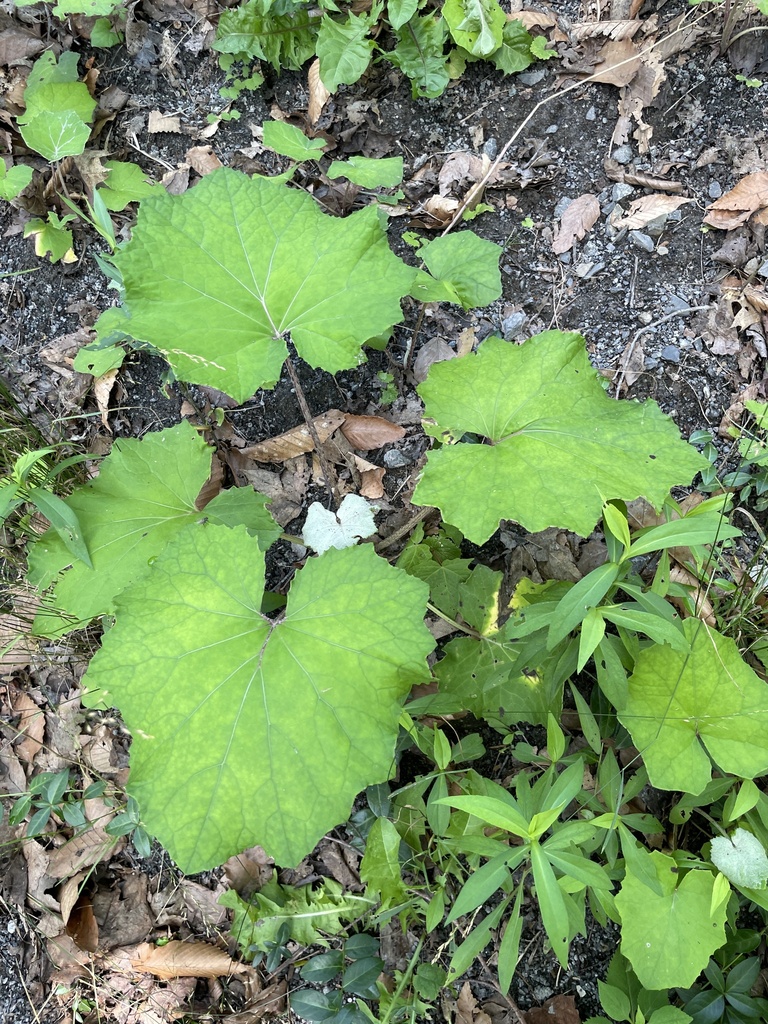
(250, 730)
(143, 496)
(476, 25)
(686, 707)
(344, 48)
(669, 938)
(464, 269)
(419, 54)
(554, 444)
(218, 278)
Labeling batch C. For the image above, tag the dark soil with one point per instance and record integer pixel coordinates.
(708, 130)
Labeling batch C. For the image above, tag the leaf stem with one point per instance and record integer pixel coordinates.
(328, 474)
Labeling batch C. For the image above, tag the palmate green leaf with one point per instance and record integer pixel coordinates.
(57, 108)
(250, 730)
(464, 269)
(515, 53)
(686, 707)
(367, 172)
(669, 938)
(556, 444)
(13, 180)
(143, 496)
(217, 278)
(126, 183)
(288, 140)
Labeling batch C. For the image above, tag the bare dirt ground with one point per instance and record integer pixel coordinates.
(670, 309)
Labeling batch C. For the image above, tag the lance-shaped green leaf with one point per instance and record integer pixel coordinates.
(254, 262)
(249, 730)
(286, 39)
(554, 444)
(686, 707)
(143, 496)
(669, 937)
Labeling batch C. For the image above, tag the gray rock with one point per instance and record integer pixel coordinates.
(562, 206)
(491, 148)
(620, 191)
(393, 459)
(512, 325)
(641, 241)
(591, 114)
(622, 154)
(651, 363)
(715, 190)
(531, 77)
(670, 354)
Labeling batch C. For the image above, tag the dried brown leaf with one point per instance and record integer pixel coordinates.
(158, 122)
(632, 362)
(435, 351)
(577, 220)
(371, 478)
(248, 870)
(747, 197)
(368, 432)
(31, 726)
(318, 94)
(102, 389)
(619, 62)
(649, 208)
(202, 159)
(16, 44)
(186, 960)
(557, 1010)
(295, 442)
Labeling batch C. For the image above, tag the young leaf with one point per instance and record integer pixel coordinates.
(285, 40)
(367, 172)
(582, 598)
(63, 520)
(493, 811)
(518, 49)
(465, 265)
(476, 25)
(52, 237)
(228, 709)
(57, 108)
(557, 440)
(510, 943)
(290, 141)
(552, 905)
(13, 180)
(352, 522)
(686, 707)
(344, 47)
(254, 262)
(143, 496)
(126, 183)
(741, 858)
(380, 866)
(419, 55)
(669, 938)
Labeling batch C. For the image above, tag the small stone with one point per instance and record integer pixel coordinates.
(645, 317)
(675, 303)
(715, 190)
(622, 154)
(763, 271)
(553, 129)
(531, 77)
(591, 114)
(512, 325)
(620, 191)
(670, 354)
(562, 206)
(641, 241)
(662, 250)
(491, 148)
(651, 363)
(393, 459)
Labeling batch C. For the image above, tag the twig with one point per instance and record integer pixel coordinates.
(328, 474)
(651, 327)
(539, 106)
(403, 531)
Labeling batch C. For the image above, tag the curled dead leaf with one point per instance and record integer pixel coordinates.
(747, 197)
(102, 389)
(577, 220)
(186, 960)
(368, 432)
(371, 478)
(295, 442)
(648, 208)
(31, 726)
(318, 94)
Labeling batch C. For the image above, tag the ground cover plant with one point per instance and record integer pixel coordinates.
(364, 695)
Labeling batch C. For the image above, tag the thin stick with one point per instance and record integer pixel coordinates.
(651, 327)
(404, 530)
(328, 475)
